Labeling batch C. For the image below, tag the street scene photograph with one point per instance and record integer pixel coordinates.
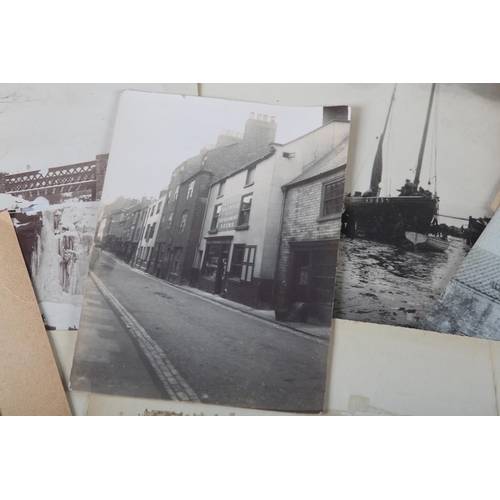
(213, 269)
(415, 208)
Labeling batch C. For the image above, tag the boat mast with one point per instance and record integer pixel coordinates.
(424, 138)
(377, 162)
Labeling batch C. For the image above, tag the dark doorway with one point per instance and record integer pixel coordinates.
(220, 276)
(301, 276)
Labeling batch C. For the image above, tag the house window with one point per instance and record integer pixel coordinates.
(162, 222)
(190, 190)
(222, 185)
(243, 262)
(250, 176)
(146, 235)
(168, 196)
(152, 211)
(159, 208)
(169, 223)
(333, 195)
(152, 230)
(246, 204)
(182, 225)
(176, 193)
(176, 260)
(215, 217)
(288, 155)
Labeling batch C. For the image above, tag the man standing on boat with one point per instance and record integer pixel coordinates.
(409, 189)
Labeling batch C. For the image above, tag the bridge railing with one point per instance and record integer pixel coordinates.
(54, 176)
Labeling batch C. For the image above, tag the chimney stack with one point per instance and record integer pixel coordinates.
(260, 131)
(335, 113)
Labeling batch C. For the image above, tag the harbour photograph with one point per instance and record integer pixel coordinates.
(417, 201)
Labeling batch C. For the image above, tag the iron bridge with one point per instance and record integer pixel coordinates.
(55, 180)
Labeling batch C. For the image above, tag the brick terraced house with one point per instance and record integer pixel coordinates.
(310, 233)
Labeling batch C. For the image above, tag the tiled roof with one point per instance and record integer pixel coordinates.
(480, 271)
(336, 158)
(225, 160)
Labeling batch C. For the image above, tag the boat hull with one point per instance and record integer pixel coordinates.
(387, 219)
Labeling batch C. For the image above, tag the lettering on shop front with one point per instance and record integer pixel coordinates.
(229, 212)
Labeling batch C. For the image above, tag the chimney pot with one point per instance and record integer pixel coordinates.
(272, 119)
(259, 117)
(265, 118)
(252, 115)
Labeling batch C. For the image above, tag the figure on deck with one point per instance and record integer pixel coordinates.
(409, 189)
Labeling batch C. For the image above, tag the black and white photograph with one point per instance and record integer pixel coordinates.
(470, 305)
(54, 211)
(51, 184)
(213, 270)
(415, 206)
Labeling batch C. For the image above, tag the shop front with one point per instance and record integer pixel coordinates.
(312, 278)
(213, 273)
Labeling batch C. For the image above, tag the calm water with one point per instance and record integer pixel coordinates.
(378, 283)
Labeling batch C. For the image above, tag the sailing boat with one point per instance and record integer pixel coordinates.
(388, 218)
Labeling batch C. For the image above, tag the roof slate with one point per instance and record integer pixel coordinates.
(335, 159)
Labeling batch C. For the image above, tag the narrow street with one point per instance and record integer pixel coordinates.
(142, 337)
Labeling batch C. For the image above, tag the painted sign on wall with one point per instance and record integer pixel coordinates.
(228, 217)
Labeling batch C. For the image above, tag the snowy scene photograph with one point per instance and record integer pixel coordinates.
(54, 212)
(213, 271)
(470, 305)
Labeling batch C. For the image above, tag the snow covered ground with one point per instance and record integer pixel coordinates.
(61, 257)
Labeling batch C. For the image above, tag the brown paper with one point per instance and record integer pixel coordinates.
(29, 380)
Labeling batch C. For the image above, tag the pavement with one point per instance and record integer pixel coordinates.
(142, 337)
(313, 330)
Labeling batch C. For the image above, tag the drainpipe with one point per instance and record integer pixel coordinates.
(203, 224)
(279, 244)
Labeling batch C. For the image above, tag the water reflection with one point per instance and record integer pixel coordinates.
(380, 283)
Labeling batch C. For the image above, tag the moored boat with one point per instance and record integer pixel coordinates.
(388, 218)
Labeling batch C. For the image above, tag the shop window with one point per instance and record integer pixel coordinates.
(211, 262)
(176, 261)
(176, 193)
(222, 186)
(250, 176)
(332, 197)
(190, 190)
(248, 263)
(237, 260)
(246, 205)
(182, 225)
(215, 217)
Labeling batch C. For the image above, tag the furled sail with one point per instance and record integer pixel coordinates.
(378, 163)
